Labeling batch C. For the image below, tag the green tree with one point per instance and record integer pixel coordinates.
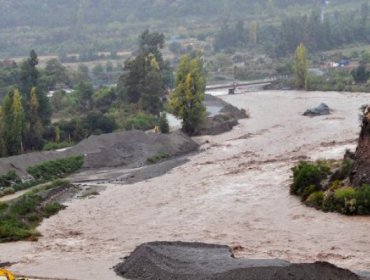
(29, 74)
(13, 123)
(146, 76)
(152, 43)
(360, 74)
(164, 127)
(187, 99)
(85, 93)
(57, 134)
(34, 131)
(153, 88)
(29, 78)
(301, 67)
(253, 32)
(2, 140)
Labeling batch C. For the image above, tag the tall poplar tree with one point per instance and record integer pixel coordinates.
(301, 67)
(35, 128)
(13, 123)
(2, 140)
(29, 78)
(187, 99)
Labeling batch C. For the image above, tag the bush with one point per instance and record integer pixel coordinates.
(344, 193)
(164, 127)
(315, 199)
(52, 170)
(9, 179)
(52, 209)
(363, 200)
(55, 146)
(20, 217)
(140, 121)
(157, 158)
(329, 203)
(308, 175)
(345, 200)
(307, 191)
(7, 191)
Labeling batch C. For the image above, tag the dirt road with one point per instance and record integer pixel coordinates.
(236, 192)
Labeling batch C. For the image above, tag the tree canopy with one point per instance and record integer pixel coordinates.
(186, 101)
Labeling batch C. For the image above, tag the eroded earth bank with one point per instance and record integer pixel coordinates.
(235, 192)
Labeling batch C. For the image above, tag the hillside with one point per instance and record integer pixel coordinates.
(113, 25)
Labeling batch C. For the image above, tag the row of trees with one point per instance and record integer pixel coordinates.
(318, 31)
(25, 113)
(20, 129)
(235, 36)
(140, 96)
(147, 79)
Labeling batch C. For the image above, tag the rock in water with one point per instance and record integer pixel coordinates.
(198, 261)
(320, 110)
(360, 173)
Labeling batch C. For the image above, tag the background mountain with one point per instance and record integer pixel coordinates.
(71, 26)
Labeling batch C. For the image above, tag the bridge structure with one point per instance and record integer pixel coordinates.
(235, 85)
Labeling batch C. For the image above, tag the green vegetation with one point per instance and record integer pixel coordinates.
(301, 67)
(307, 177)
(56, 146)
(55, 169)
(9, 179)
(186, 102)
(50, 170)
(20, 217)
(322, 188)
(163, 123)
(157, 158)
(140, 121)
(26, 113)
(145, 77)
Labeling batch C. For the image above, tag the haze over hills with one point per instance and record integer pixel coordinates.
(42, 12)
(74, 26)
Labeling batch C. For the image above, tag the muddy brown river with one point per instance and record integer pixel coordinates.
(235, 192)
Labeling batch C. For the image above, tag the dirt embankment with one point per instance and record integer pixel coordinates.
(197, 261)
(360, 173)
(129, 149)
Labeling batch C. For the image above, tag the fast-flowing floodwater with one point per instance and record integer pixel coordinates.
(235, 192)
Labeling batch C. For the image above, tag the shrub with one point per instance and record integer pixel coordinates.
(55, 146)
(315, 199)
(329, 203)
(20, 217)
(55, 169)
(140, 121)
(11, 230)
(363, 200)
(308, 174)
(9, 179)
(345, 200)
(52, 209)
(307, 191)
(344, 193)
(157, 158)
(7, 191)
(164, 127)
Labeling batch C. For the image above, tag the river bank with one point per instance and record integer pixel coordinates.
(235, 192)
